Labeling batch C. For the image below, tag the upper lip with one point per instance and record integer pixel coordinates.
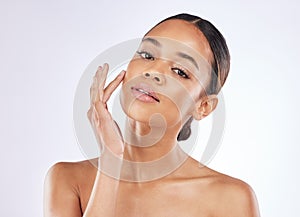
(146, 89)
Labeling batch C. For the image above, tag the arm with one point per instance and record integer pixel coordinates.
(62, 199)
(103, 198)
(102, 201)
(60, 196)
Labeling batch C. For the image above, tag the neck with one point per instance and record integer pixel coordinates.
(150, 152)
(148, 143)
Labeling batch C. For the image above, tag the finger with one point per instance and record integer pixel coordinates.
(94, 94)
(112, 86)
(95, 117)
(101, 76)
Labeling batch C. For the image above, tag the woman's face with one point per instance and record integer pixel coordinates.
(167, 74)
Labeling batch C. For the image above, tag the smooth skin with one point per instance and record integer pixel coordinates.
(80, 189)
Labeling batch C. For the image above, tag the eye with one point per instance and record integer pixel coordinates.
(145, 55)
(180, 72)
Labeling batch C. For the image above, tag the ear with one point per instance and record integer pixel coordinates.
(205, 106)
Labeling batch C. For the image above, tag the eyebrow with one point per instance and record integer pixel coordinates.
(153, 41)
(191, 59)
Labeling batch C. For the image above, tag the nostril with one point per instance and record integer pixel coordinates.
(155, 76)
(157, 79)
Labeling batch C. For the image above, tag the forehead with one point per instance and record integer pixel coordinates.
(185, 33)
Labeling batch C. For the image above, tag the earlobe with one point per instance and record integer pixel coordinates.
(205, 106)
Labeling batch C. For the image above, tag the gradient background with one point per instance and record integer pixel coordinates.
(46, 45)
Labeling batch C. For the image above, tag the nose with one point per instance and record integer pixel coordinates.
(157, 77)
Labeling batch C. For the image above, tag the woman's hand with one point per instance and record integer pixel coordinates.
(105, 128)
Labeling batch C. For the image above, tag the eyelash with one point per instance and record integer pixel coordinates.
(181, 72)
(144, 54)
(148, 56)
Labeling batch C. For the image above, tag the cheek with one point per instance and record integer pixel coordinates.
(134, 67)
(129, 73)
(181, 95)
(176, 106)
(170, 110)
(200, 85)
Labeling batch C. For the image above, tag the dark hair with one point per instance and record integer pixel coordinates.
(220, 64)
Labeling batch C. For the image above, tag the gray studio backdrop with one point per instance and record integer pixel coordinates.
(45, 46)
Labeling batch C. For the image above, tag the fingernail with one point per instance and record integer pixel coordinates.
(122, 72)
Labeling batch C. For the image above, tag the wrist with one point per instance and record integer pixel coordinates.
(110, 163)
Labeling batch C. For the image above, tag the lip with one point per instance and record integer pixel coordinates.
(144, 92)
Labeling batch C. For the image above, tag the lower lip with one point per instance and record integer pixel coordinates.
(142, 97)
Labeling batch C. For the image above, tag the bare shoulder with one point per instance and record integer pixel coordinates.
(232, 196)
(69, 177)
(67, 171)
(225, 195)
(63, 188)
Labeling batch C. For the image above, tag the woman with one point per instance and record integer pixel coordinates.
(173, 78)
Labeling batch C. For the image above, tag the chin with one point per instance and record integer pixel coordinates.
(137, 111)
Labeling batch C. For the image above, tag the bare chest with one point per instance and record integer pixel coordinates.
(155, 201)
(158, 204)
